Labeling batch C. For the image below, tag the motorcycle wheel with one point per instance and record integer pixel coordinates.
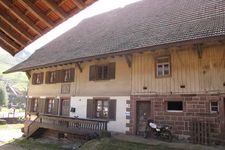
(167, 136)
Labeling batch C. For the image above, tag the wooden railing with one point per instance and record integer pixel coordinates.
(72, 123)
(67, 124)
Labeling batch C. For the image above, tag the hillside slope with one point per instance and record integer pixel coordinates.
(19, 80)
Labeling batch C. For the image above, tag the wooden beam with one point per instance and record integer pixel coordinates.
(16, 26)
(12, 34)
(78, 64)
(56, 8)
(128, 60)
(38, 13)
(15, 11)
(28, 75)
(9, 41)
(7, 47)
(79, 4)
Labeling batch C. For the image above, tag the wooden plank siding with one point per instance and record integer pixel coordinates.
(197, 74)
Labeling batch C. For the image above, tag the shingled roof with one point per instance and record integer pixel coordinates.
(146, 23)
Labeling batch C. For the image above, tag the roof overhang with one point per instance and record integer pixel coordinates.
(24, 21)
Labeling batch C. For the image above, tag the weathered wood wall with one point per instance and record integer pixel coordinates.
(197, 74)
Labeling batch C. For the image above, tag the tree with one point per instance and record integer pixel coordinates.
(2, 97)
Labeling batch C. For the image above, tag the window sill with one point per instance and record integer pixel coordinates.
(174, 111)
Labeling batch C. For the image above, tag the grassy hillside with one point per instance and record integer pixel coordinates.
(18, 79)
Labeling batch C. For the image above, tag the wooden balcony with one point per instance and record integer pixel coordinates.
(66, 124)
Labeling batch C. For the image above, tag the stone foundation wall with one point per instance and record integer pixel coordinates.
(195, 107)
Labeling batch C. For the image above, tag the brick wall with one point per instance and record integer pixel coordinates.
(195, 107)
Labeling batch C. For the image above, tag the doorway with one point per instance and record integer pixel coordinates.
(143, 111)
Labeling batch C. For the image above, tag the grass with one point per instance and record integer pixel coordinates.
(34, 145)
(11, 126)
(5, 109)
(113, 144)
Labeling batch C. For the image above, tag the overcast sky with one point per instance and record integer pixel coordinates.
(98, 7)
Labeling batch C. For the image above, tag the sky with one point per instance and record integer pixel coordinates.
(98, 7)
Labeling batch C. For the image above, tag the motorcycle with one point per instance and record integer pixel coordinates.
(158, 131)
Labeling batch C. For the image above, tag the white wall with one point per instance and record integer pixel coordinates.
(119, 125)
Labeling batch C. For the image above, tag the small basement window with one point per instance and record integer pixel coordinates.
(175, 106)
(214, 107)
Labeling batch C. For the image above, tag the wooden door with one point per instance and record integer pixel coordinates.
(143, 111)
(65, 107)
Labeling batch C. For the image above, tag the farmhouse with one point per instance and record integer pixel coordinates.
(163, 60)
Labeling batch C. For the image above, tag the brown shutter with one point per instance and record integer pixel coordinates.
(47, 77)
(72, 71)
(112, 70)
(39, 105)
(29, 105)
(91, 108)
(92, 73)
(42, 77)
(58, 76)
(112, 109)
(34, 78)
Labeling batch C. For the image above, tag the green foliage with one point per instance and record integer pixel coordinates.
(32, 144)
(113, 144)
(2, 97)
(104, 134)
(2, 122)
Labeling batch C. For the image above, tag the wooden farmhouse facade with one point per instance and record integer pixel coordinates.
(159, 60)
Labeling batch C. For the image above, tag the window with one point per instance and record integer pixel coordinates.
(163, 66)
(68, 75)
(51, 106)
(34, 105)
(214, 107)
(175, 106)
(101, 108)
(102, 72)
(52, 77)
(37, 78)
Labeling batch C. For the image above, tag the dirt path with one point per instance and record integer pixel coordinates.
(8, 133)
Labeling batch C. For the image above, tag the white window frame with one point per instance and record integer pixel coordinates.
(214, 106)
(163, 69)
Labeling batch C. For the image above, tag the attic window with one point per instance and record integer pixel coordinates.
(163, 66)
(37, 78)
(68, 75)
(102, 72)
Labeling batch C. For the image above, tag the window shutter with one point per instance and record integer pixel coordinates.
(42, 77)
(34, 78)
(72, 71)
(58, 76)
(112, 70)
(29, 105)
(47, 77)
(91, 110)
(92, 73)
(112, 109)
